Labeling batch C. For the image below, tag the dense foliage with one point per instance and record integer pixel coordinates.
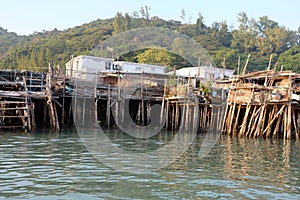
(261, 38)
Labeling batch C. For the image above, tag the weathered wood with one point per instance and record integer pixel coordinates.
(274, 118)
(276, 130)
(54, 123)
(167, 114)
(267, 131)
(254, 127)
(294, 122)
(177, 115)
(32, 108)
(108, 106)
(244, 123)
(251, 125)
(236, 120)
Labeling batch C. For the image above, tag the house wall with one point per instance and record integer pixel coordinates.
(139, 68)
(204, 72)
(84, 66)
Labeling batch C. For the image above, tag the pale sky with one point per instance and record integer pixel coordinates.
(26, 16)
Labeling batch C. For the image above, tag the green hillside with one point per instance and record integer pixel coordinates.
(258, 37)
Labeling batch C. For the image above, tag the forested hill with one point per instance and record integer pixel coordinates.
(259, 37)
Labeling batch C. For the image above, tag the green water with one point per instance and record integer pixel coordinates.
(44, 165)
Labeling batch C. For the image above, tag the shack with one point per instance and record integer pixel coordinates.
(263, 104)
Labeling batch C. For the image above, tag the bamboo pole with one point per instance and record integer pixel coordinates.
(236, 120)
(224, 119)
(294, 122)
(270, 61)
(276, 130)
(247, 61)
(271, 116)
(274, 118)
(239, 65)
(289, 121)
(232, 115)
(250, 125)
(252, 131)
(260, 121)
(243, 127)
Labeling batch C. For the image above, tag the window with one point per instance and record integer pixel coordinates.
(108, 65)
(115, 67)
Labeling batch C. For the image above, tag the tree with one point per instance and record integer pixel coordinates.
(221, 33)
(33, 60)
(263, 24)
(118, 23)
(298, 36)
(182, 16)
(290, 59)
(277, 38)
(200, 27)
(229, 55)
(127, 22)
(244, 38)
(155, 56)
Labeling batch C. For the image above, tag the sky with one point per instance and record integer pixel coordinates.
(25, 17)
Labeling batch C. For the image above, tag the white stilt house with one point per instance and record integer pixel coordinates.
(84, 66)
(203, 73)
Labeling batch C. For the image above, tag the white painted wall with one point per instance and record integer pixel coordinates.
(83, 66)
(204, 72)
(130, 67)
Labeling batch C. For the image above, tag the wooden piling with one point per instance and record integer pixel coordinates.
(108, 106)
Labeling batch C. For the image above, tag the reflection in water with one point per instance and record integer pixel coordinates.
(51, 166)
(264, 164)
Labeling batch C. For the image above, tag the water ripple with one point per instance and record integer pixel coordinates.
(46, 166)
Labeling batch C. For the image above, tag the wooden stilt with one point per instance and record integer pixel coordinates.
(250, 125)
(167, 115)
(108, 106)
(173, 117)
(289, 121)
(277, 127)
(294, 122)
(236, 120)
(176, 116)
(32, 108)
(267, 131)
